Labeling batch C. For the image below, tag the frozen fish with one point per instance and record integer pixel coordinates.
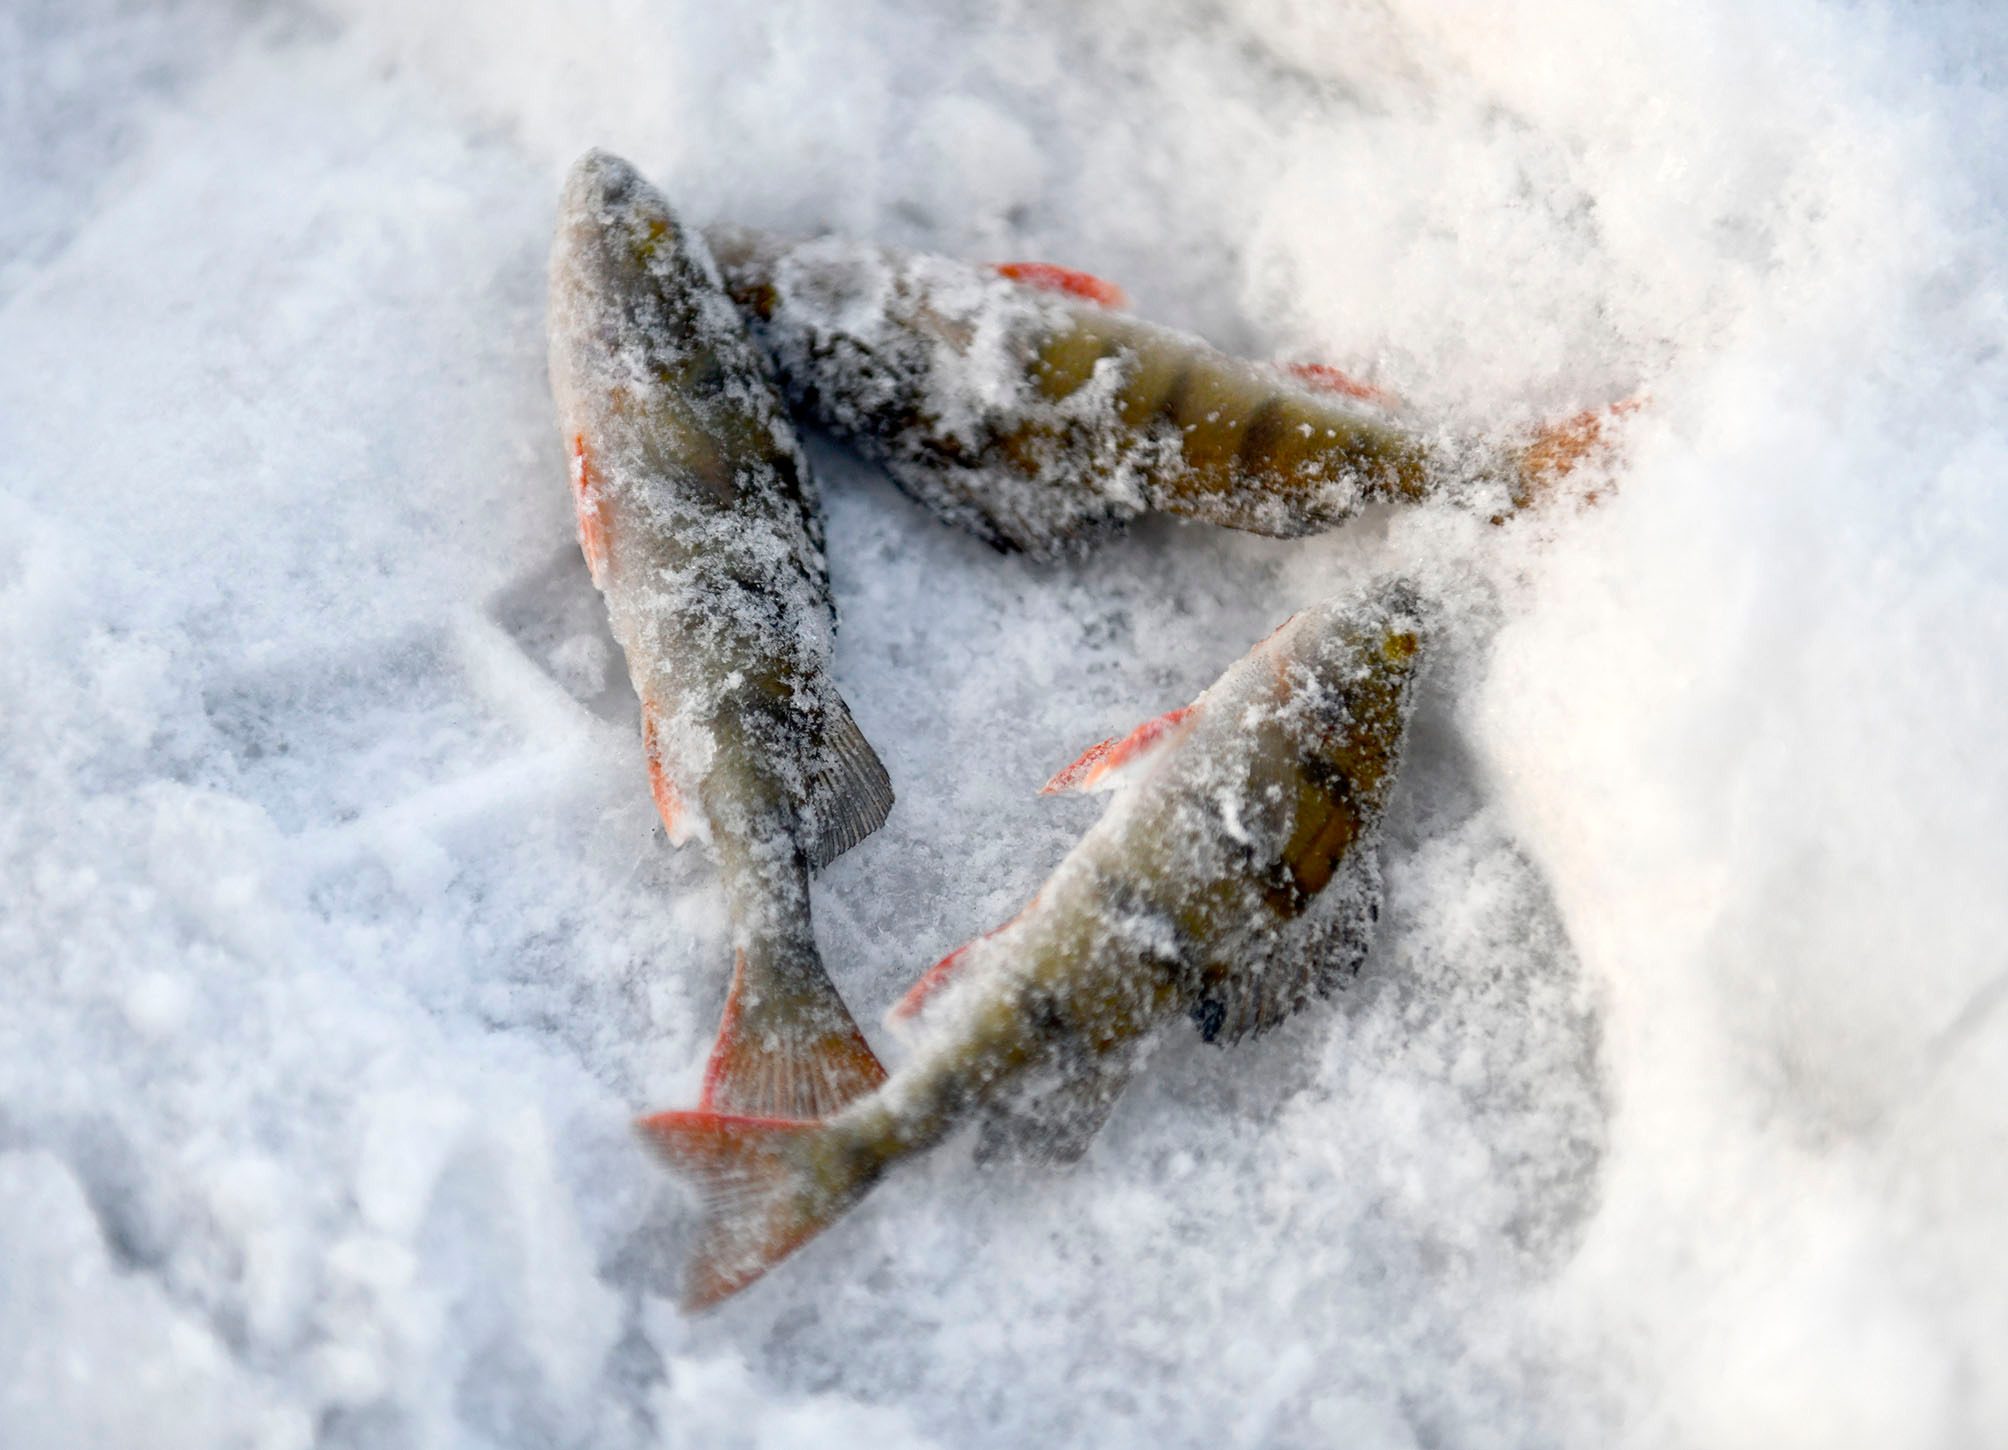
(1018, 402)
(700, 522)
(1234, 877)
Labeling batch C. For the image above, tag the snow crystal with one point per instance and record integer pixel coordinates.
(341, 944)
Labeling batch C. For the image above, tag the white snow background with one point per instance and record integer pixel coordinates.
(340, 945)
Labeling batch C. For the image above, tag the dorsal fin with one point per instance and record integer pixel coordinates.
(1047, 277)
(1115, 763)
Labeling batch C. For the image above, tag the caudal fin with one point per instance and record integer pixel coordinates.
(784, 1051)
(762, 1193)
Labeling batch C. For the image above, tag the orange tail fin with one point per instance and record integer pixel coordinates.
(763, 1197)
(787, 1058)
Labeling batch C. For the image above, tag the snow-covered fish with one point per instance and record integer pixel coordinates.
(700, 522)
(1017, 402)
(1234, 878)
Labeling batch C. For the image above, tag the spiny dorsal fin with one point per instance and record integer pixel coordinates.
(849, 793)
(1115, 763)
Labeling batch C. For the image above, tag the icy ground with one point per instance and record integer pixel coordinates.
(340, 944)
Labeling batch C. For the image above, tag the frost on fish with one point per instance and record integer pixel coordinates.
(700, 523)
(1234, 878)
(1030, 413)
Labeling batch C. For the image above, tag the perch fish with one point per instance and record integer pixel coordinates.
(1019, 403)
(700, 523)
(1234, 877)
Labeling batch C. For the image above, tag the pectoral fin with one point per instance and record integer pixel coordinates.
(1310, 957)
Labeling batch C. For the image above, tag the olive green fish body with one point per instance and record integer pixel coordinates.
(1041, 421)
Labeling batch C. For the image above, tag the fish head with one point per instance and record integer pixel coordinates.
(639, 324)
(615, 233)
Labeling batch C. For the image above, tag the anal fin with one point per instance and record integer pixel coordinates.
(935, 978)
(1115, 763)
(946, 970)
(931, 981)
(849, 792)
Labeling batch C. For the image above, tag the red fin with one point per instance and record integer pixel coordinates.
(797, 1063)
(931, 981)
(760, 1201)
(1328, 379)
(1099, 765)
(938, 975)
(668, 799)
(592, 511)
(1084, 285)
(1075, 776)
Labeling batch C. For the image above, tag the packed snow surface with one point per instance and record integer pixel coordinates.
(341, 946)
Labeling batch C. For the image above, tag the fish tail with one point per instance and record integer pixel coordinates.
(767, 1187)
(788, 1047)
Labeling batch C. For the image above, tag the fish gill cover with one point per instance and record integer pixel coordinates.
(340, 948)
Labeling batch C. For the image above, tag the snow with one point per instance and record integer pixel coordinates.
(341, 948)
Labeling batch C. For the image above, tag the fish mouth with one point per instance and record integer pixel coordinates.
(612, 225)
(597, 181)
